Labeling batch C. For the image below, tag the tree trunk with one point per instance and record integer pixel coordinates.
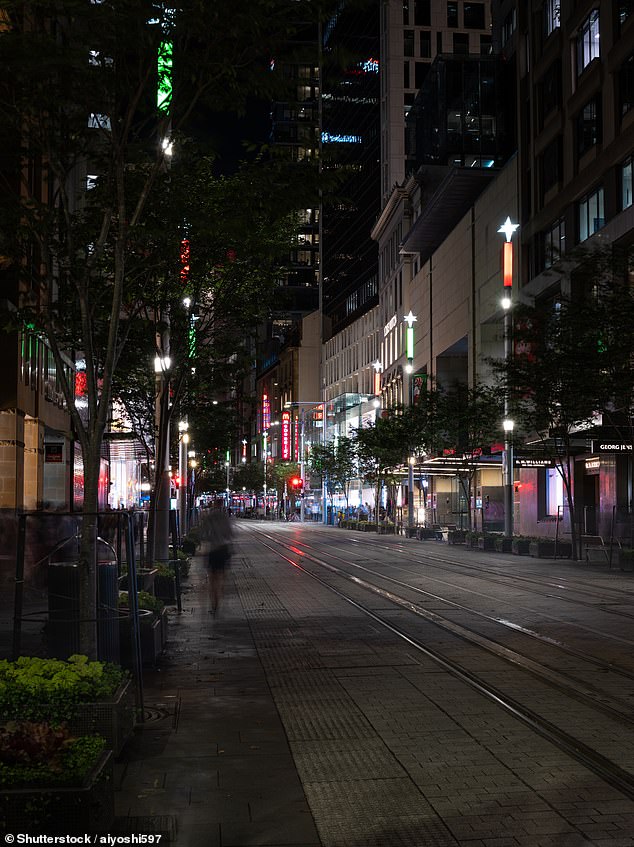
(88, 553)
(574, 537)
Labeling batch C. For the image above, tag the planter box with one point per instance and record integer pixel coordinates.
(424, 534)
(111, 719)
(411, 532)
(165, 589)
(486, 543)
(623, 558)
(546, 549)
(145, 578)
(386, 530)
(152, 633)
(456, 536)
(520, 546)
(503, 545)
(59, 811)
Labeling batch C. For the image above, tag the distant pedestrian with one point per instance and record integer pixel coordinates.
(217, 532)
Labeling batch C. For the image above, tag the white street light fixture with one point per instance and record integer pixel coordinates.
(507, 229)
(162, 364)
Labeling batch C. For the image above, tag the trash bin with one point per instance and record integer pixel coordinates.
(63, 604)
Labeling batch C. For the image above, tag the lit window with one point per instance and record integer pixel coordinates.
(452, 14)
(554, 492)
(552, 19)
(588, 42)
(626, 183)
(591, 214)
(555, 243)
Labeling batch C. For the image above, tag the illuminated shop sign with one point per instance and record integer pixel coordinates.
(389, 326)
(286, 436)
(611, 447)
(338, 138)
(266, 411)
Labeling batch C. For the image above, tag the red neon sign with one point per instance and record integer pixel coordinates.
(286, 436)
(185, 261)
(296, 439)
(266, 412)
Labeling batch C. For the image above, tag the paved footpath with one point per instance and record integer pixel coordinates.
(292, 720)
(212, 764)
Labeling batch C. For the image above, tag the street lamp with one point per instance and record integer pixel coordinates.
(507, 229)
(410, 319)
(183, 441)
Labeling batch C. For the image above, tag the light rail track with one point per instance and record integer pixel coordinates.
(604, 767)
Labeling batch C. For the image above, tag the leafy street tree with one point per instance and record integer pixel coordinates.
(468, 421)
(92, 144)
(249, 477)
(336, 462)
(381, 450)
(280, 474)
(558, 380)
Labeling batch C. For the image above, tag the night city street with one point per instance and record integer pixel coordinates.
(366, 691)
(317, 423)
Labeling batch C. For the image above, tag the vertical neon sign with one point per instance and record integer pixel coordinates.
(297, 439)
(286, 436)
(266, 412)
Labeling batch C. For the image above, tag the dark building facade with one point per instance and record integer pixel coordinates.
(351, 151)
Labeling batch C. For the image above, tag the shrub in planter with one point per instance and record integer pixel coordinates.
(472, 538)
(455, 536)
(544, 548)
(165, 585)
(520, 546)
(91, 697)
(52, 782)
(152, 628)
(144, 579)
(625, 557)
(486, 542)
(184, 561)
(503, 544)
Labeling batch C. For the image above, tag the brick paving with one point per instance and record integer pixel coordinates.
(293, 720)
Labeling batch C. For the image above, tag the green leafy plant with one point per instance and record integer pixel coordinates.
(47, 689)
(41, 754)
(146, 601)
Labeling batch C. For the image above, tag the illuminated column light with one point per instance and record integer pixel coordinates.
(164, 84)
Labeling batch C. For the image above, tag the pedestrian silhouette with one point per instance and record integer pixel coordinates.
(217, 531)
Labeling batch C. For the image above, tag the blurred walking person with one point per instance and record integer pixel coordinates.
(217, 531)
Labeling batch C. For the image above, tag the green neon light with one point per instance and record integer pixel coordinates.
(409, 342)
(192, 340)
(164, 83)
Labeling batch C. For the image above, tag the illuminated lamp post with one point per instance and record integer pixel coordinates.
(183, 441)
(410, 320)
(507, 229)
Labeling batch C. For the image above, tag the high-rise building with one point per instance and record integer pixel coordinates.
(413, 34)
(350, 152)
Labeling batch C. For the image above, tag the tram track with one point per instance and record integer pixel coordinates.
(591, 698)
(562, 583)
